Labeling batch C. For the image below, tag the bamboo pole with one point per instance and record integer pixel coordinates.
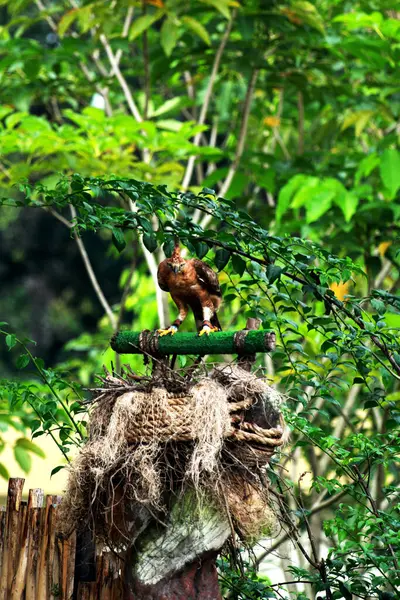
(35, 503)
(221, 342)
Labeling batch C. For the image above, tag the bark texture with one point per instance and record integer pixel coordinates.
(197, 581)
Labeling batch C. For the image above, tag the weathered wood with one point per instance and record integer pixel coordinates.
(37, 564)
(52, 566)
(246, 361)
(68, 566)
(197, 581)
(42, 590)
(221, 342)
(35, 503)
(15, 487)
(3, 525)
(18, 586)
(87, 590)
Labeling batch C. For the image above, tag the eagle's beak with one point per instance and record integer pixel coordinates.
(175, 269)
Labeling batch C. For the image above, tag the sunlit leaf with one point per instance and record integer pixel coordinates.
(30, 447)
(197, 28)
(67, 20)
(286, 194)
(142, 23)
(23, 458)
(170, 34)
(390, 170)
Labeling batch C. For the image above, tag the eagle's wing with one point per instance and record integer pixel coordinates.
(162, 278)
(207, 278)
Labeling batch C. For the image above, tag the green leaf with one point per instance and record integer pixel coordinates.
(346, 201)
(171, 104)
(11, 340)
(306, 192)
(30, 447)
(222, 257)
(23, 458)
(144, 22)
(201, 249)
(307, 13)
(56, 470)
(168, 247)
(273, 273)
(366, 166)
(238, 264)
(170, 34)
(390, 170)
(319, 204)
(67, 20)
(221, 5)
(197, 28)
(22, 361)
(4, 473)
(378, 305)
(118, 239)
(286, 194)
(150, 242)
(359, 119)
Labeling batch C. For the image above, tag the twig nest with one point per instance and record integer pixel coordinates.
(151, 443)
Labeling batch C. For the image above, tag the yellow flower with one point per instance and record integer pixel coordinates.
(383, 246)
(272, 121)
(340, 289)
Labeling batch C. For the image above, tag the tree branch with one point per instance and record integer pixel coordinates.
(92, 275)
(241, 142)
(300, 106)
(125, 31)
(121, 79)
(207, 98)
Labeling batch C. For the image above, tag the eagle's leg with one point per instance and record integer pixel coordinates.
(172, 329)
(207, 325)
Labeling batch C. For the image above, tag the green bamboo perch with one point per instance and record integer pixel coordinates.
(223, 342)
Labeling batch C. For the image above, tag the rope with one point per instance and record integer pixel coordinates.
(175, 425)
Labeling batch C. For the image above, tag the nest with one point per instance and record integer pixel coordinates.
(152, 440)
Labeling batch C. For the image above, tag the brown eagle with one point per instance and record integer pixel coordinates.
(193, 284)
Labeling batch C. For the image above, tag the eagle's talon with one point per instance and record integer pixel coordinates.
(207, 330)
(170, 331)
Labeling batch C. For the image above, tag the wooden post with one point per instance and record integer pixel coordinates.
(15, 487)
(35, 503)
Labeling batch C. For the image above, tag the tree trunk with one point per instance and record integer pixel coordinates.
(196, 581)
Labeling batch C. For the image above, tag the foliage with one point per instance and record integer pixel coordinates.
(284, 140)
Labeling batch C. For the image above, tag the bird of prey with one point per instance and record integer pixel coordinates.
(193, 284)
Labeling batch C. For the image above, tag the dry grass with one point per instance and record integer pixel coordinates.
(149, 444)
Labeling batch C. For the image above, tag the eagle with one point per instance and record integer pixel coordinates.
(191, 283)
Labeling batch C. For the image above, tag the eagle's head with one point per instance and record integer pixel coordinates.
(176, 267)
(176, 263)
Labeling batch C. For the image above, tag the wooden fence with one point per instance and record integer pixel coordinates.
(36, 564)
